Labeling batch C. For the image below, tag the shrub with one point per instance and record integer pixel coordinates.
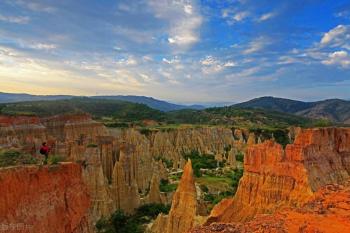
(204, 188)
(145, 131)
(92, 145)
(14, 157)
(236, 176)
(166, 187)
(55, 159)
(119, 222)
(205, 161)
(240, 156)
(168, 162)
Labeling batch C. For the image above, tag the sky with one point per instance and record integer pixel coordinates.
(184, 51)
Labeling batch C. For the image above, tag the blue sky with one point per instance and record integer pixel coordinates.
(181, 50)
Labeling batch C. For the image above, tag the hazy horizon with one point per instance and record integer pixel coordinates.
(180, 51)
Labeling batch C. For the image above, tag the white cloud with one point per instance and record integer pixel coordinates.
(266, 16)
(15, 19)
(343, 14)
(241, 16)
(175, 63)
(183, 18)
(337, 37)
(232, 16)
(171, 61)
(285, 60)
(341, 58)
(212, 65)
(43, 46)
(257, 45)
(147, 58)
(188, 9)
(135, 35)
(129, 61)
(34, 6)
(230, 64)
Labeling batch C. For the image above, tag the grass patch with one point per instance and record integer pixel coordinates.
(215, 182)
(167, 187)
(14, 157)
(240, 156)
(199, 161)
(216, 188)
(92, 145)
(55, 159)
(168, 162)
(120, 222)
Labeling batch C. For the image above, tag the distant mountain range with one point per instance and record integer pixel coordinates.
(336, 110)
(149, 101)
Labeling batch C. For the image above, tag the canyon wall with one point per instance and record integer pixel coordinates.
(326, 212)
(44, 199)
(181, 217)
(275, 178)
(122, 168)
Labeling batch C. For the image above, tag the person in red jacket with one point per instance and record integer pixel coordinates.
(45, 150)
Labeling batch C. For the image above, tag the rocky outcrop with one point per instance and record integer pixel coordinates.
(174, 143)
(121, 166)
(102, 203)
(274, 178)
(25, 133)
(181, 217)
(124, 185)
(44, 199)
(326, 212)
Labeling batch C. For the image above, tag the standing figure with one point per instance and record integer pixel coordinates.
(45, 150)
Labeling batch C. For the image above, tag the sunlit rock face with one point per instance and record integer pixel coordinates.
(25, 133)
(181, 217)
(121, 167)
(327, 212)
(44, 199)
(174, 143)
(275, 178)
(102, 203)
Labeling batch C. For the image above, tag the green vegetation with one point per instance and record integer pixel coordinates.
(240, 156)
(55, 159)
(167, 187)
(199, 161)
(92, 145)
(98, 108)
(218, 187)
(216, 198)
(168, 162)
(13, 157)
(279, 135)
(121, 114)
(120, 222)
(235, 177)
(176, 176)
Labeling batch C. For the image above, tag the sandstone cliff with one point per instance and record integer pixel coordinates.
(43, 200)
(120, 166)
(181, 217)
(326, 212)
(274, 178)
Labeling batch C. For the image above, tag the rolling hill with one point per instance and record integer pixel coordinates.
(118, 111)
(98, 108)
(149, 101)
(335, 110)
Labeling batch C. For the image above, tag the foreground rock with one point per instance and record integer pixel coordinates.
(275, 178)
(43, 200)
(181, 217)
(327, 212)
